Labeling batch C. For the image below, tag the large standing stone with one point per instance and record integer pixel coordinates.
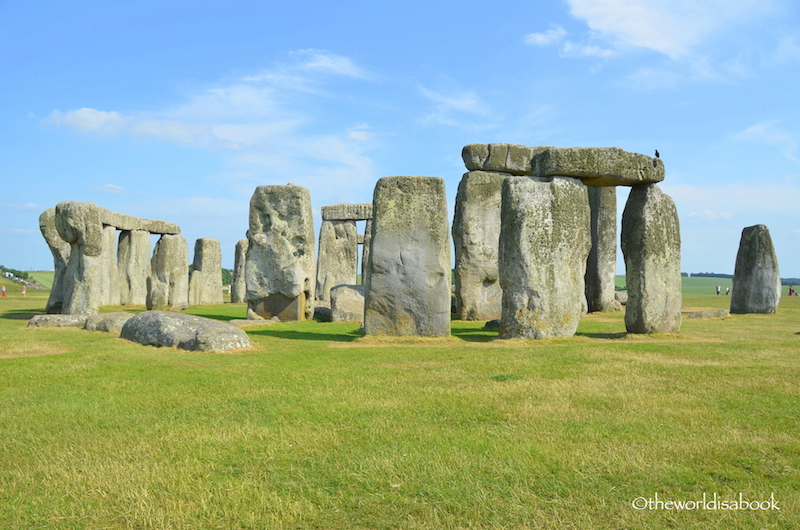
(476, 238)
(280, 266)
(109, 281)
(601, 267)
(205, 283)
(651, 244)
(338, 256)
(365, 252)
(756, 278)
(544, 243)
(168, 286)
(347, 303)
(78, 223)
(60, 250)
(239, 286)
(133, 261)
(409, 282)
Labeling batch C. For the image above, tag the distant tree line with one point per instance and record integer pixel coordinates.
(709, 275)
(227, 274)
(18, 274)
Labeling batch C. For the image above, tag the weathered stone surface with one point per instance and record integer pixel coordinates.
(347, 212)
(239, 286)
(60, 250)
(57, 321)
(337, 261)
(168, 286)
(409, 281)
(756, 278)
(505, 158)
(205, 282)
(280, 267)
(544, 243)
(476, 238)
(601, 266)
(109, 279)
(123, 221)
(110, 322)
(651, 244)
(322, 313)
(598, 166)
(621, 297)
(78, 223)
(710, 313)
(365, 252)
(133, 261)
(347, 303)
(185, 332)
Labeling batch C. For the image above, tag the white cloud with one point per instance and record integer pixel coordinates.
(463, 101)
(87, 120)
(768, 132)
(12, 207)
(708, 215)
(572, 49)
(110, 188)
(330, 63)
(552, 35)
(674, 28)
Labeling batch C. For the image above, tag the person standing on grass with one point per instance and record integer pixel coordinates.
(24, 289)
(4, 291)
(717, 289)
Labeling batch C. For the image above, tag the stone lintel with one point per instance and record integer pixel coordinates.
(598, 166)
(347, 212)
(122, 221)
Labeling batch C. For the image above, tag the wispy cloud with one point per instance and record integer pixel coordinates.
(455, 109)
(12, 207)
(110, 188)
(769, 132)
(553, 35)
(87, 120)
(708, 215)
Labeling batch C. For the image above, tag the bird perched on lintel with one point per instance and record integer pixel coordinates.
(657, 155)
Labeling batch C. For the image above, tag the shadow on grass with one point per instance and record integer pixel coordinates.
(21, 314)
(291, 334)
(619, 335)
(474, 335)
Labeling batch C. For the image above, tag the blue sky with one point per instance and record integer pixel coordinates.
(177, 110)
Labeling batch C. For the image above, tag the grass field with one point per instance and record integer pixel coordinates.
(318, 427)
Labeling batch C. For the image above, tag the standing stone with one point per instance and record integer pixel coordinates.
(205, 282)
(347, 303)
(601, 267)
(544, 243)
(756, 279)
(169, 282)
(476, 238)
(280, 266)
(365, 252)
(651, 244)
(409, 266)
(133, 261)
(60, 250)
(338, 256)
(238, 285)
(78, 223)
(109, 280)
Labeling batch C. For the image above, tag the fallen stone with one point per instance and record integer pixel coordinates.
(621, 297)
(476, 238)
(322, 314)
(57, 321)
(493, 325)
(710, 313)
(110, 322)
(347, 303)
(756, 278)
(185, 332)
(409, 266)
(544, 243)
(651, 245)
(598, 166)
(280, 268)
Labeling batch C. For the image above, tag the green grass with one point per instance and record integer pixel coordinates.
(317, 427)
